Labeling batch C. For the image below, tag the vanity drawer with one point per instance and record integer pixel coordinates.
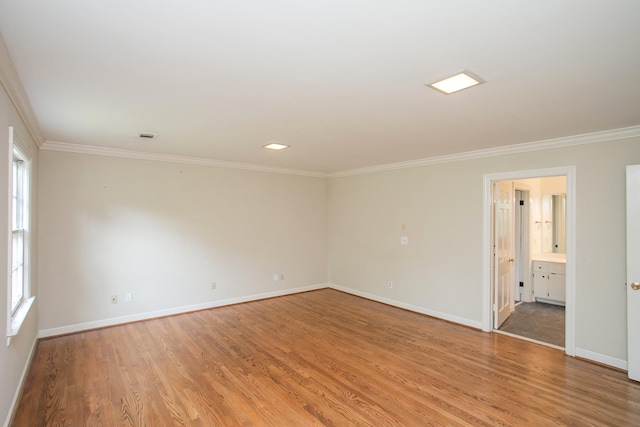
(550, 267)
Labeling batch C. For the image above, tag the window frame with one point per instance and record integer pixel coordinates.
(17, 313)
(19, 219)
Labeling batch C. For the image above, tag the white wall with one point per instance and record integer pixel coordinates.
(165, 231)
(539, 234)
(533, 185)
(14, 358)
(554, 185)
(441, 206)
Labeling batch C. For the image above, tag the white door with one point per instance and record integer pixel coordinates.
(503, 252)
(633, 271)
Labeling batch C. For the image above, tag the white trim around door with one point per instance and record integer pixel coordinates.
(489, 179)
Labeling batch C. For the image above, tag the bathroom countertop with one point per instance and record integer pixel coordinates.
(560, 258)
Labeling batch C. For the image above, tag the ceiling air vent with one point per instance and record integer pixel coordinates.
(147, 135)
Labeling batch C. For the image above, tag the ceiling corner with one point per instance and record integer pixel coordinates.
(13, 86)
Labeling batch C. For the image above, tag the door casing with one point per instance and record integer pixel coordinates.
(487, 301)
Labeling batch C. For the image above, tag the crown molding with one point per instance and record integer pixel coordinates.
(138, 155)
(570, 141)
(11, 82)
(589, 138)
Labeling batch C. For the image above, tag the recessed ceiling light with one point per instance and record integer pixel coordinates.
(276, 146)
(458, 82)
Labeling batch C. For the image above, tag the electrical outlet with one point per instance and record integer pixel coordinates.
(276, 277)
(127, 297)
(213, 285)
(281, 276)
(390, 284)
(114, 299)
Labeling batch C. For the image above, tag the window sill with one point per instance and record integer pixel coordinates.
(19, 316)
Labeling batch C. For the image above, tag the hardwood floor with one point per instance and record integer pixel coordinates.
(316, 358)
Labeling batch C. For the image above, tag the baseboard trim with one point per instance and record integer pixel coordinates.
(80, 327)
(20, 386)
(433, 313)
(602, 359)
(581, 353)
(46, 333)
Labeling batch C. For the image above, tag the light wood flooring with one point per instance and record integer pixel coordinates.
(311, 359)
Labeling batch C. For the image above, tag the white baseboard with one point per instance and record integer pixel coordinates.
(601, 358)
(170, 311)
(585, 354)
(422, 310)
(16, 395)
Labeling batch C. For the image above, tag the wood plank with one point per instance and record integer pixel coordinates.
(311, 359)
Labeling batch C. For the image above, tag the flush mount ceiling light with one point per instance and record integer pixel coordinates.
(276, 146)
(456, 83)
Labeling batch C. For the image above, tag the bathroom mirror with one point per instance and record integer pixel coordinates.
(553, 224)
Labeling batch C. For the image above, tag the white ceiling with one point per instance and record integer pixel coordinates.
(342, 82)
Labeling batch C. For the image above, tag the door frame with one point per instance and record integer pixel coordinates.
(487, 232)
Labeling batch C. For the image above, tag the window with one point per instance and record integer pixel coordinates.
(20, 300)
(18, 231)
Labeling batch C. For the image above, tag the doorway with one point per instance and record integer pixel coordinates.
(527, 293)
(538, 216)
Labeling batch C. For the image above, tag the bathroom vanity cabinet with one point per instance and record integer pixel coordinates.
(549, 284)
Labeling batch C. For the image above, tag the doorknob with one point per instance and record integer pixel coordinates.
(513, 260)
(635, 286)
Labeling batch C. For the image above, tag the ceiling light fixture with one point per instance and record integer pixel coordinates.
(457, 82)
(276, 146)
